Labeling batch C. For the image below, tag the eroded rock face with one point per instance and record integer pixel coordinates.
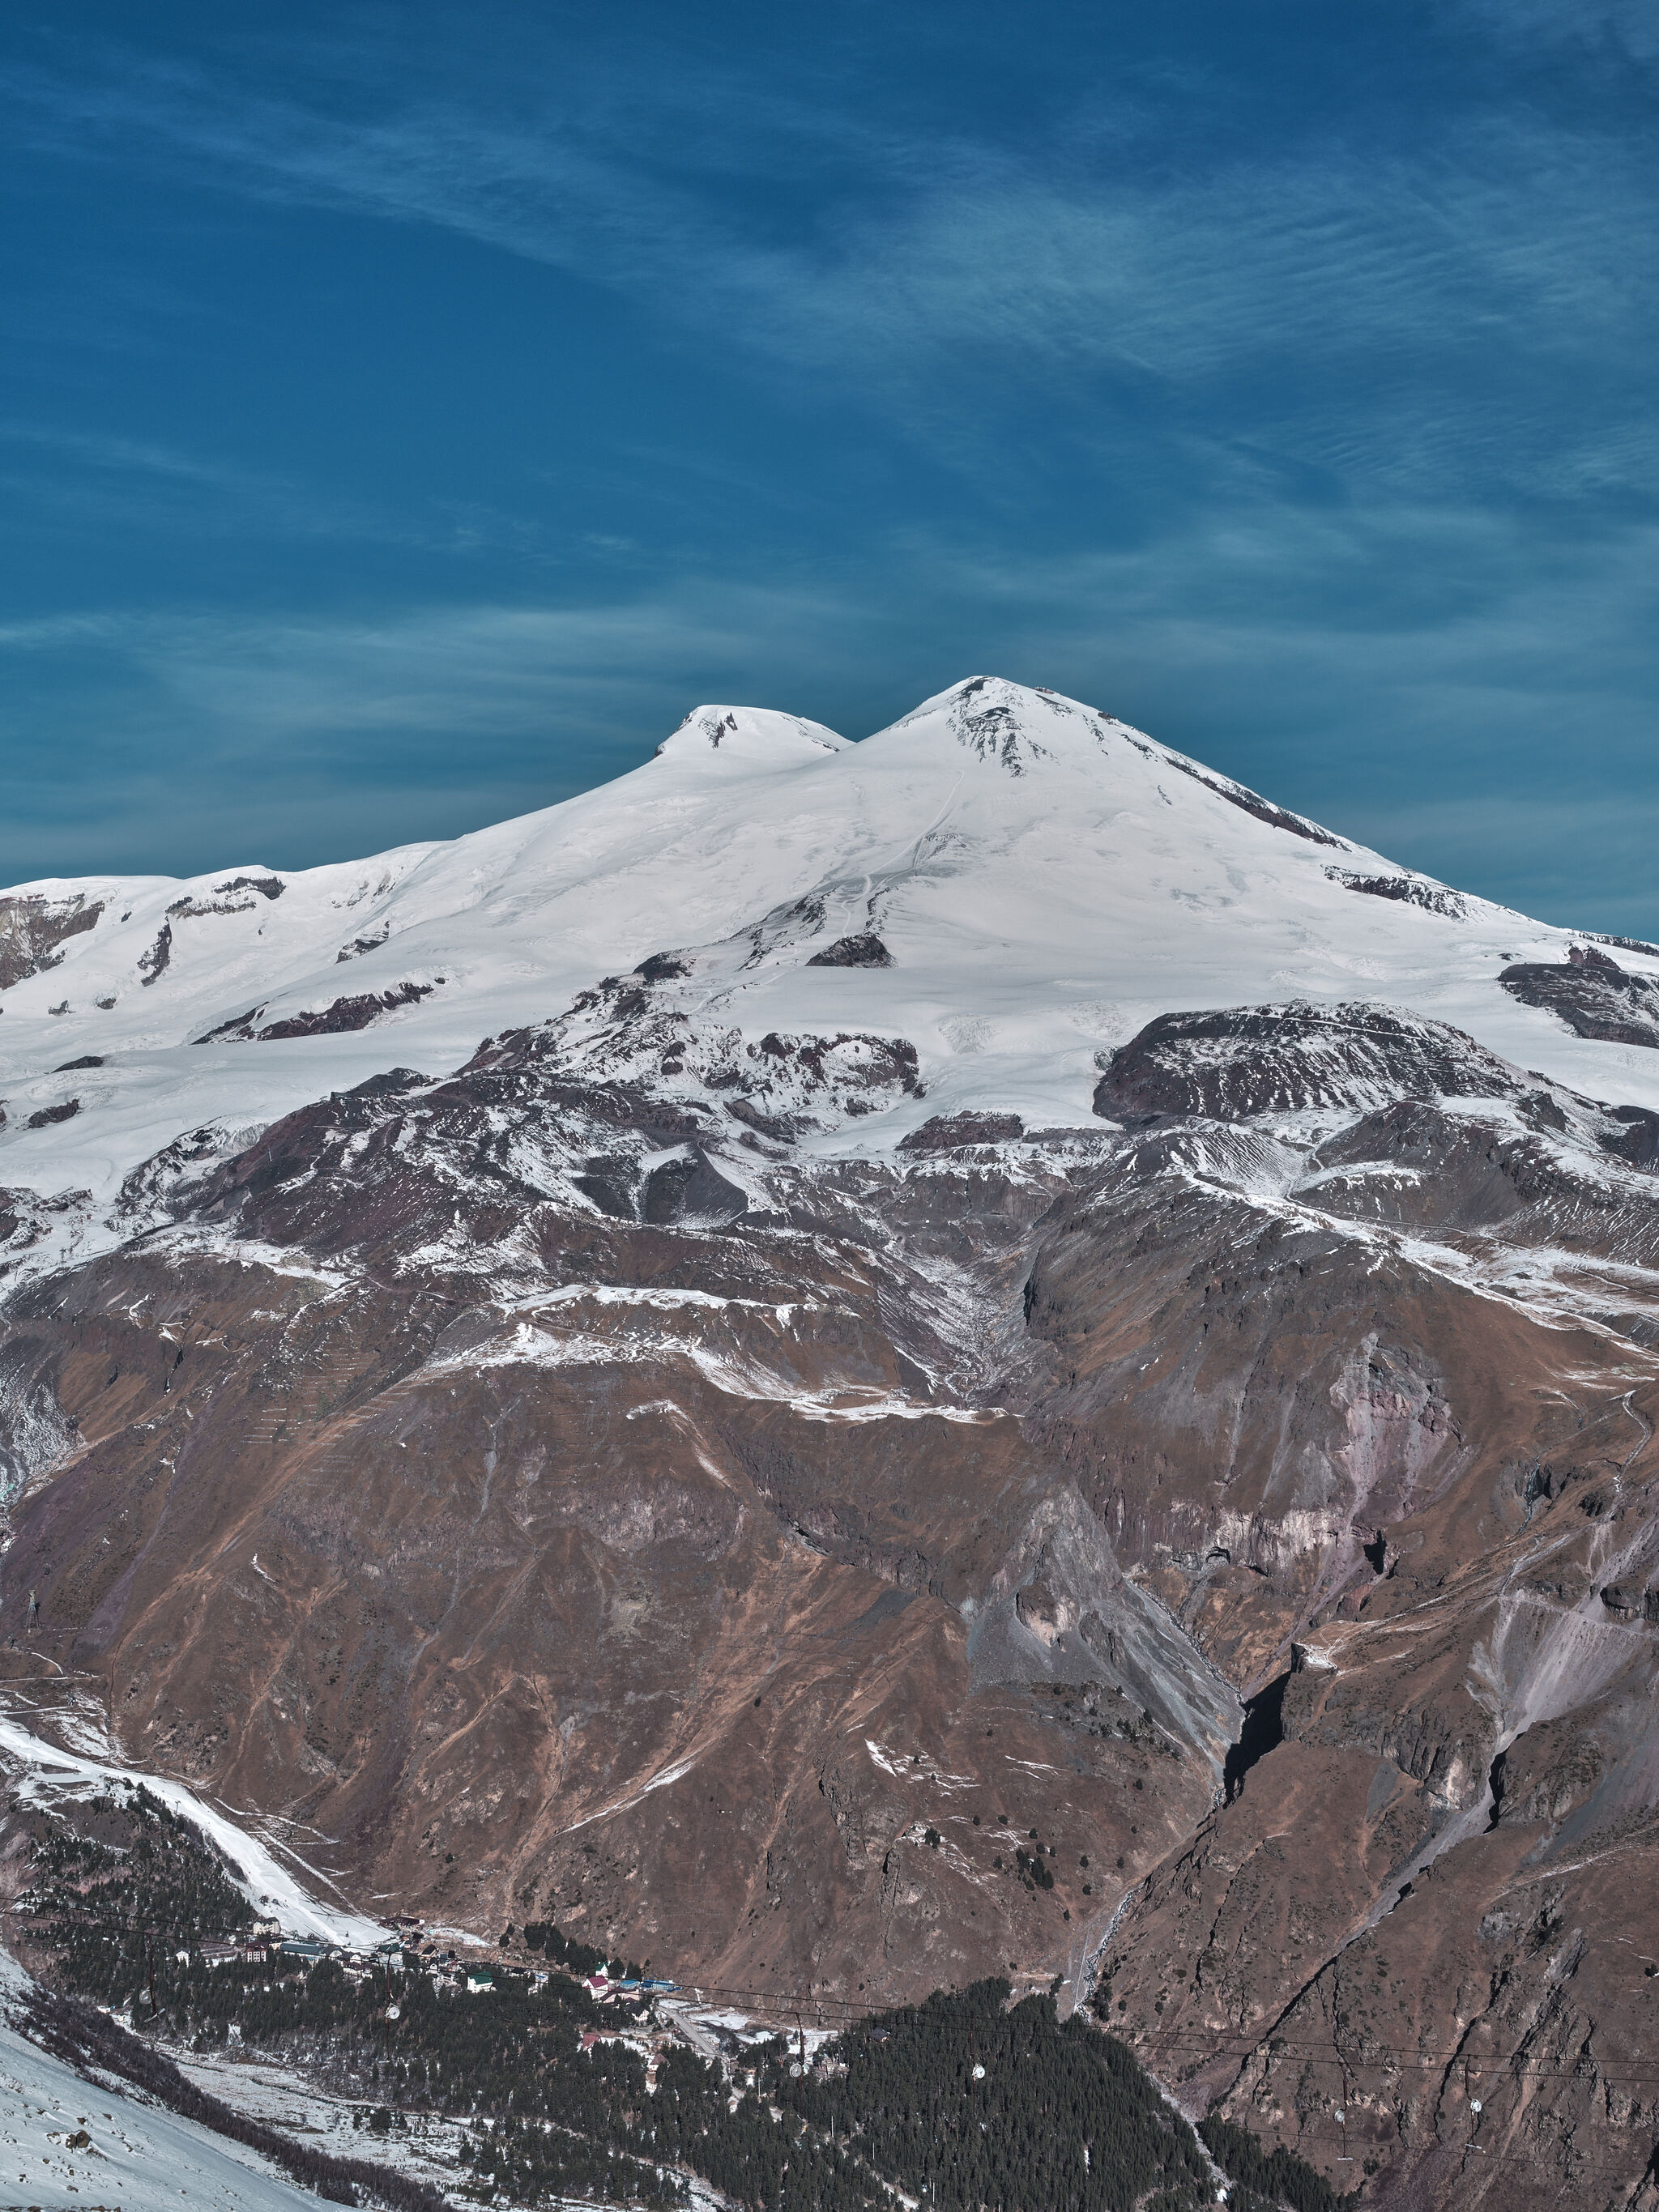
(33, 928)
(949, 1133)
(1592, 994)
(1404, 890)
(231, 897)
(865, 950)
(156, 959)
(355, 1012)
(47, 1116)
(584, 1500)
(1239, 1062)
(1252, 802)
(610, 1560)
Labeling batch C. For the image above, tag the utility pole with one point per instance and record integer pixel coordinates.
(1475, 2109)
(1343, 2158)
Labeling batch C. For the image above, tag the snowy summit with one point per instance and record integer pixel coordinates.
(1010, 880)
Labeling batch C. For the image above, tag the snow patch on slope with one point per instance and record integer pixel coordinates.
(136, 2155)
(41, 1771)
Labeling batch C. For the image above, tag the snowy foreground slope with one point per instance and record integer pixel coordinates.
(66, 2143)
(1043, 880)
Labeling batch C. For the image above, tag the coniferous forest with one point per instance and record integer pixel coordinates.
(967, 2100)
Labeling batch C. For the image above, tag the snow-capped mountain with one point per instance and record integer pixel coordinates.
(708, 1363)
(1009, 880)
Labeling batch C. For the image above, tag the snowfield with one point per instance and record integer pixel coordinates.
(1040, 880)
(61, 2137)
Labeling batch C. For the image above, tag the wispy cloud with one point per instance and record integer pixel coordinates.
(126, 456)
(465, 674)
(536, 192)
(1315, 267)
(1351, 428)
(449, 715)
(77, 477)
(455, 714)
(1620, 30)
(1458, 324)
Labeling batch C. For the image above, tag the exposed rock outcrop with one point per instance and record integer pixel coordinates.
(34, 929)
(1404, 890)
(1242, 1061)
(1592, 994)
(865, 950)
(948, 1133)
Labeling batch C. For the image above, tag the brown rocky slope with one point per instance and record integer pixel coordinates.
(564, 1500)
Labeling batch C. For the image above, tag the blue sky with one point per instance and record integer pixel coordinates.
(409, 411)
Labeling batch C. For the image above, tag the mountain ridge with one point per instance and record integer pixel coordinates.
(955, 853)
(846, 1331)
